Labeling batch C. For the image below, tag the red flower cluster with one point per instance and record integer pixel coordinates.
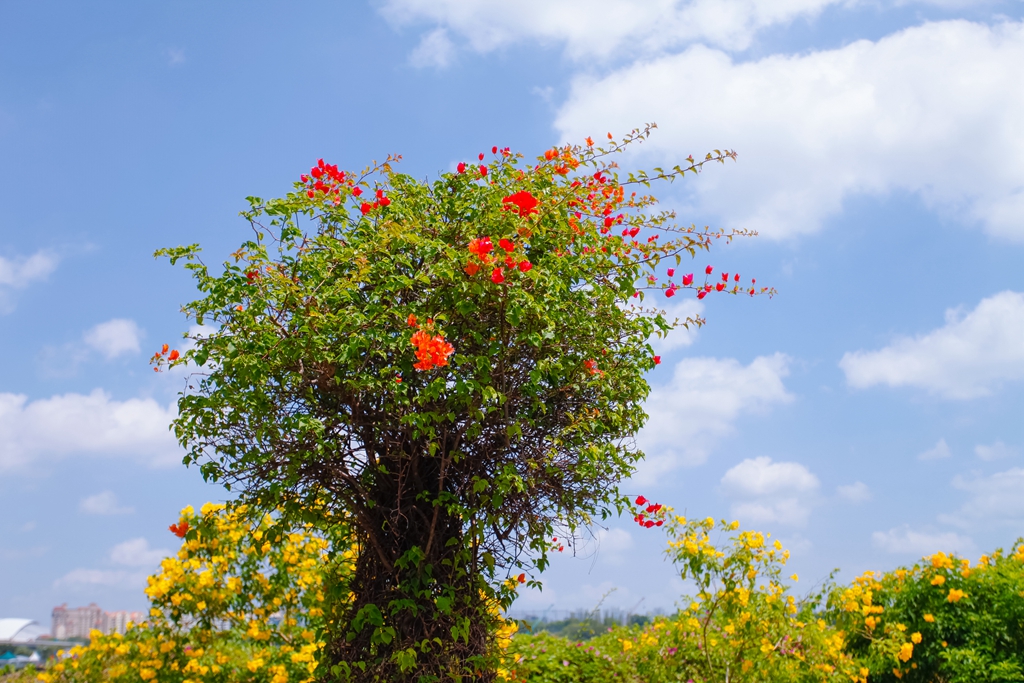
(162, 356)
(481, 248)
(525, 202)
(653, 509)
(325, 179)
(367, 207)
(431, 349)
(179, 530)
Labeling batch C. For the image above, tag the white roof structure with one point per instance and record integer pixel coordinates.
(21, 630)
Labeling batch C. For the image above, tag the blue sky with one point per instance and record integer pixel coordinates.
(868, 414)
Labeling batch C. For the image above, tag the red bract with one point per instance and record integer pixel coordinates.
(736, 277)
(480, 246)
(648, 524)
(670, 292)
(526, 202)
(701, 294)
(688, 279)
(481, 156)
(640, 500)
(725, 277)
(461, 167)
(709, 270)
(483, 170)
(365, 208)
(497, 276)
(179, 530)
(163, 349)
(525, 266)
(356, 191)
(521, 578)
(174, 355)
(657, 360)
(720, 286)
(411, 320)
(472, 268)
(671, 272)
(494, 150)
(507, 245)
(591, 366)
(431, 351)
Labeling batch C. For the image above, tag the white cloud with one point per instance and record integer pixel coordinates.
(857, 492)
(940, 451)
(613, 545)
(114, 337)
(604, 28)
(698, 407)
(103, 503)
(434, 50)
(94, 424)
(967, 358)
(137, 553)
(931, 110)
(20, 273)
(995, 499)
(769, 491)
(995, 451)
(904, 540)
(685, 309)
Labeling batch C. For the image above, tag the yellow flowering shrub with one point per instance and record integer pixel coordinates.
(939, 620)
(241, 601)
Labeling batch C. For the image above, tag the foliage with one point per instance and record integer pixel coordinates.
(741, 625)
(240, 602)
(939, 620)
(547, 658)
(455, 368)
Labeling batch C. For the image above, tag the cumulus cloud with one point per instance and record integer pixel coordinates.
(904, 540)
(966, 358)
(698, 407)
(604, 28)
(909, 112)
(85, 424)
(766, 491)
(613, 545)
(995, 499)
(857, 492)
(103, 503)
(434, 50)
(995, 451)
(135, 560)
(682, 336)
(18, 273)
(114, 338)
(940, 451)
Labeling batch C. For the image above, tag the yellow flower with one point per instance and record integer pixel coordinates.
(955, 594)
(938, 580)
(147, 674)
(906, 652)
(915, 638)
(795, 577)
(627, 645)
(929, 618)
(255, 664)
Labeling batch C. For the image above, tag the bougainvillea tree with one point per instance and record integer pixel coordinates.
(456, 368)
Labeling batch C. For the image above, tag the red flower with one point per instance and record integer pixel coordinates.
(591, 366)
(701, 294)
(461, 167)
(163, 349)
(671, 272)
(251, 275)
(521, 578)
(659, 522)
(670, 292)
(648, 524)
(356, 191)
(384, 201)
(507, 245)
(494, 150)
(179, 530)
(657, 360)
(174, 355)
(688, 279)
(431, 351)
(316, 172)
(720, 286)
(366, 208)
(708, 270)
(472, 268)
(725, 277)
(480, 246)
(411, 320)
(497, 276)
(736, 277)
(481, 156)
(483, 170)
(526, 202)
(524, 266)
(640, 500)
(398, 379)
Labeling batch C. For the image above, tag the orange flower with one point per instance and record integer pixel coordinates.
(431, 351)
(174, 355)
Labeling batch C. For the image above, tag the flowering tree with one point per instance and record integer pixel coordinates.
(456, 368)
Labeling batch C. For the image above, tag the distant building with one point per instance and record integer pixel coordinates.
(78, 622)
